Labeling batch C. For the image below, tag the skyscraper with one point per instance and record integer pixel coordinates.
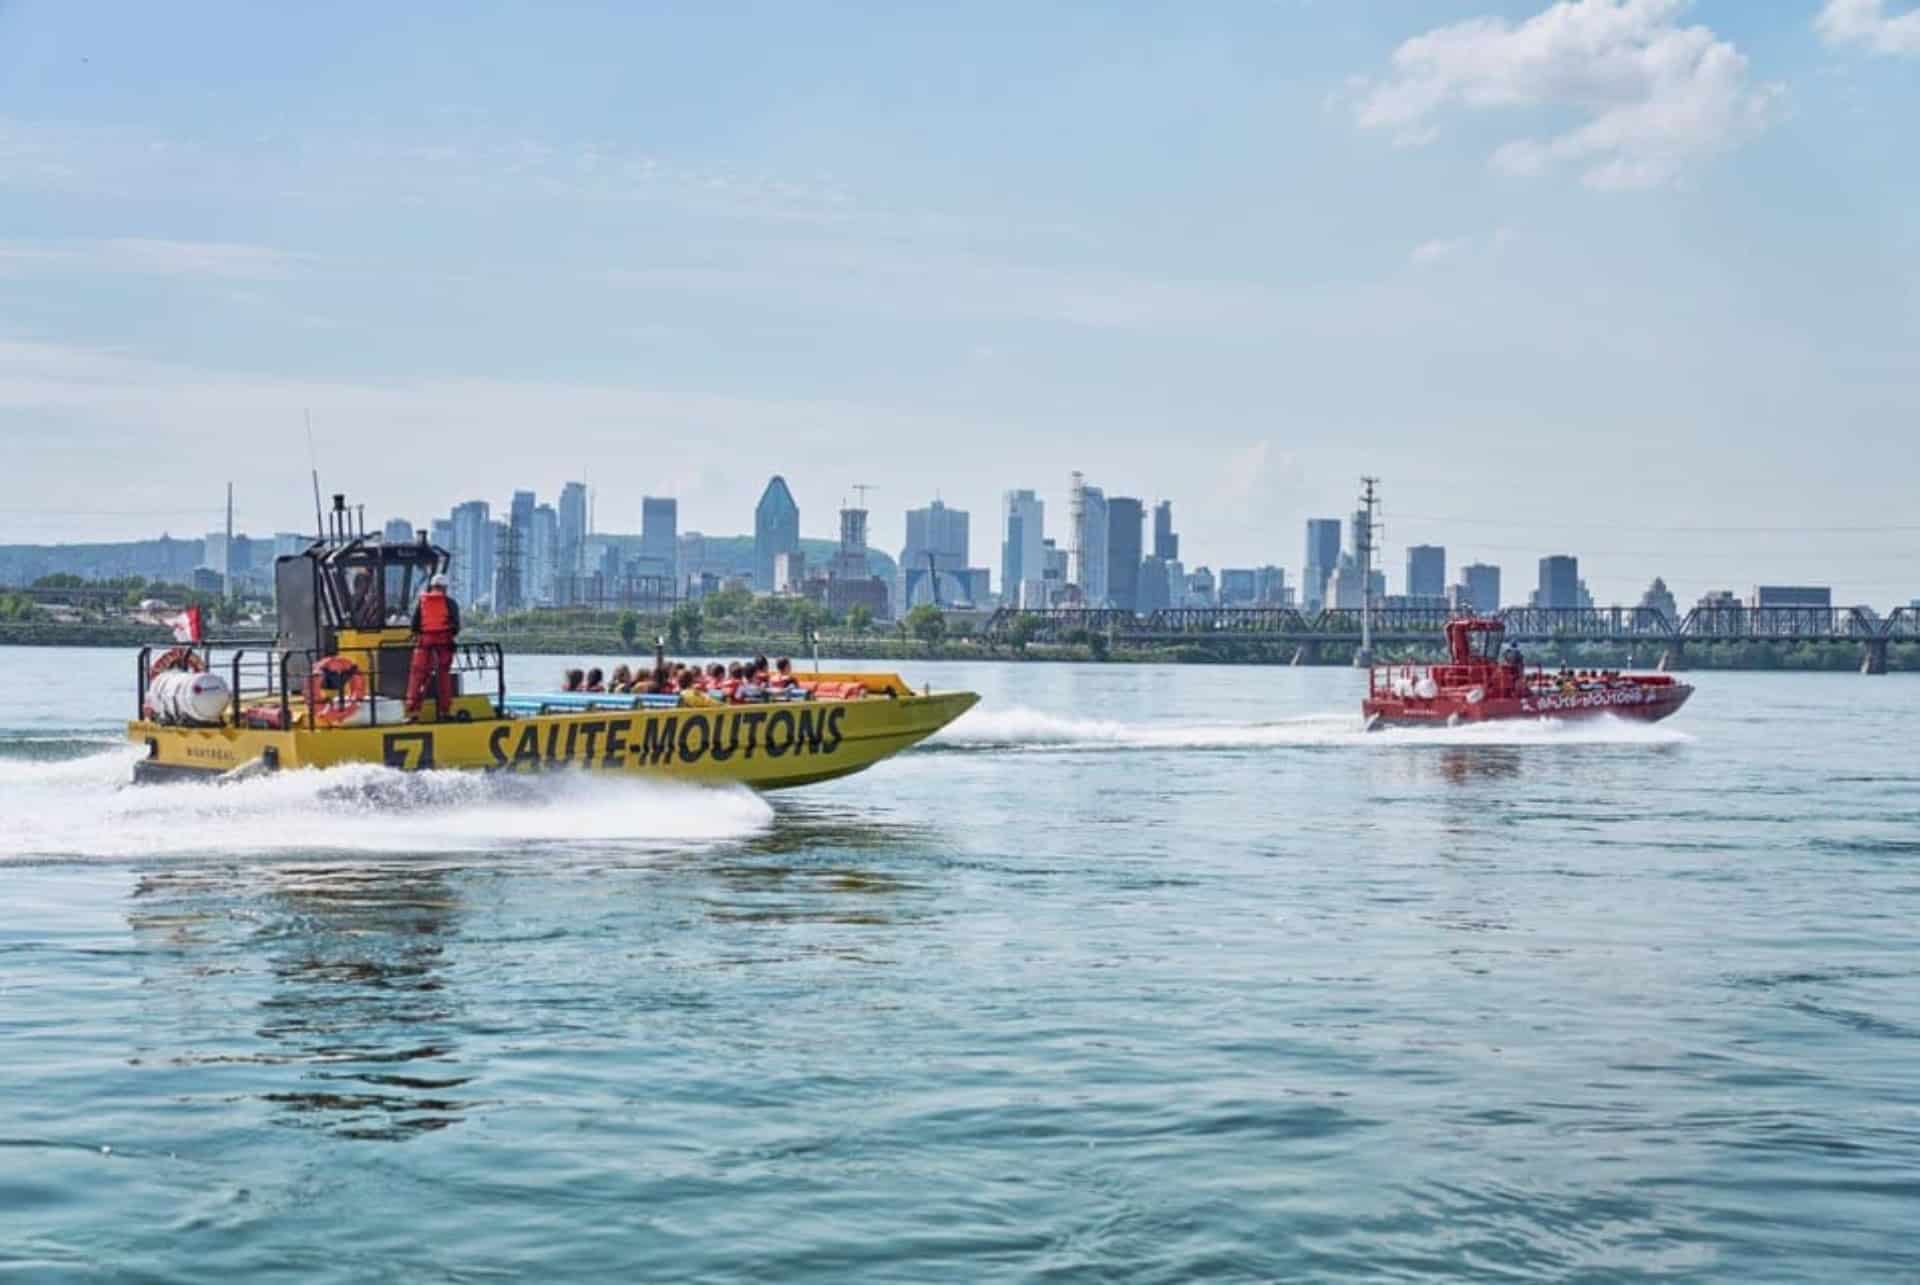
(1126, 519)
(472, 550)
(776, 529)
(543, 555)
(939, 534)
(1482, 585)
(397, 531)
(573, 532)
(1426, 571)
(1166, 545)
(1087, 555)
(1023, 569)
(1323, 559)
(660, 534)
(1156, 590)
(520, 541)
(1559, 582)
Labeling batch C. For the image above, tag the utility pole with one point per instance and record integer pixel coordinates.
(226, 563)
(1370, 500)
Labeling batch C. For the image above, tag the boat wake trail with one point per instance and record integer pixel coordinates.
(83, 808)
(1029, 730)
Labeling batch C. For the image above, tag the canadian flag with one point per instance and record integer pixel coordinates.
(186, 625)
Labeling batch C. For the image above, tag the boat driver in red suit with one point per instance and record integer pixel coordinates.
(436, 623)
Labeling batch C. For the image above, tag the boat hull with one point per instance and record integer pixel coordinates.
(767, 747)
(1645, 704)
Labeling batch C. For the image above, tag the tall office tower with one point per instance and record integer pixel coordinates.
(776, 530)
(1559, 582)
(1323, 559)
(1166, 545)
(397, 531)
(1087, 556)
(573, 531)
(1155, 590)
(1426, 571)
(520, 539)
(508, 559)
(660, 534)
(1023, 562)
(1126, 519)
(1482, 585)
(937, 543)
(543, 550)
(441, 533)
(472, 550)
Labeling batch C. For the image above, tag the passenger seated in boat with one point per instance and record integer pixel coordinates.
(575, 680)
(687, 680)
(596, 681)
(782, 676)
(620, 680)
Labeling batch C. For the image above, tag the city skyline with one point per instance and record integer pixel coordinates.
(1127, 570)
(1669, 340)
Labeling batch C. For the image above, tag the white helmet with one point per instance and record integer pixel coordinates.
(438, 582)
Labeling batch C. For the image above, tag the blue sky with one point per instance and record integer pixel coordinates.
(1633, 279)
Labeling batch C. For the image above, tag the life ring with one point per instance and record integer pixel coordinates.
(335, 689)
(177, 658)
(1475, 695)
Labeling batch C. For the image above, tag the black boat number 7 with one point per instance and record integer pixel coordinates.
(408, 751)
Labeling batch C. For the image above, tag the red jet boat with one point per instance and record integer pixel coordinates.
(1483, 681)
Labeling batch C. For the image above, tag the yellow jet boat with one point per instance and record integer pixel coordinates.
(330, 689)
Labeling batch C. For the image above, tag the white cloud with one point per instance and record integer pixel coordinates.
(148, 256)
(1656, 96)
(1428, 253)
(1867, 22)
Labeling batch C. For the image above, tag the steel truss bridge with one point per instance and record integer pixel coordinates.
(1399, 625)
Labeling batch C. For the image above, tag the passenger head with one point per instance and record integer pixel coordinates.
(784, 665)
(686, 680)
(716, 670)
(622, 678)
(575, 680)
(736, 670)
(596, 681)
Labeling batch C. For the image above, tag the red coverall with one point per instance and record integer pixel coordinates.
(436, 620)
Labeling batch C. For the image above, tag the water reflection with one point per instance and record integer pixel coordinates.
(357, 995)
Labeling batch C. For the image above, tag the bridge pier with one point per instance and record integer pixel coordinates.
(1873, 657)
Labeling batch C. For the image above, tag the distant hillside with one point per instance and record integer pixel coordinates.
(162, 559)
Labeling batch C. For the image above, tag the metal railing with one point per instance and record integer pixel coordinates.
(278, 677)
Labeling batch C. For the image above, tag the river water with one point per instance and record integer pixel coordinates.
(1134, 974)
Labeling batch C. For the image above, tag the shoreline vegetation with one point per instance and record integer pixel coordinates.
(625, 637)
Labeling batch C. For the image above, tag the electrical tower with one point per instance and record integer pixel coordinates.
(1365, 544)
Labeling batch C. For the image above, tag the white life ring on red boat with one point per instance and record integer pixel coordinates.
(1475, 695)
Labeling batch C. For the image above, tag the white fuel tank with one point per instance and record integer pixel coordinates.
(181, 697)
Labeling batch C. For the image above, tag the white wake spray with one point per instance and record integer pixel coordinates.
(84, 807)
(1022, 729)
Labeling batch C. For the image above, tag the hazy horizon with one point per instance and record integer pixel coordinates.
(1636, 280)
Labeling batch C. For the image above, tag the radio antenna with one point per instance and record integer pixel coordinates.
(319, 522)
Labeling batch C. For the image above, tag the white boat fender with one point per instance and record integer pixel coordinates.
(1475, 695)
(1426, 689)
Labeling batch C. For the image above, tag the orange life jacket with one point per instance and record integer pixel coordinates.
(436, 619)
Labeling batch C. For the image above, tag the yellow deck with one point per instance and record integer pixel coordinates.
(768, 747)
